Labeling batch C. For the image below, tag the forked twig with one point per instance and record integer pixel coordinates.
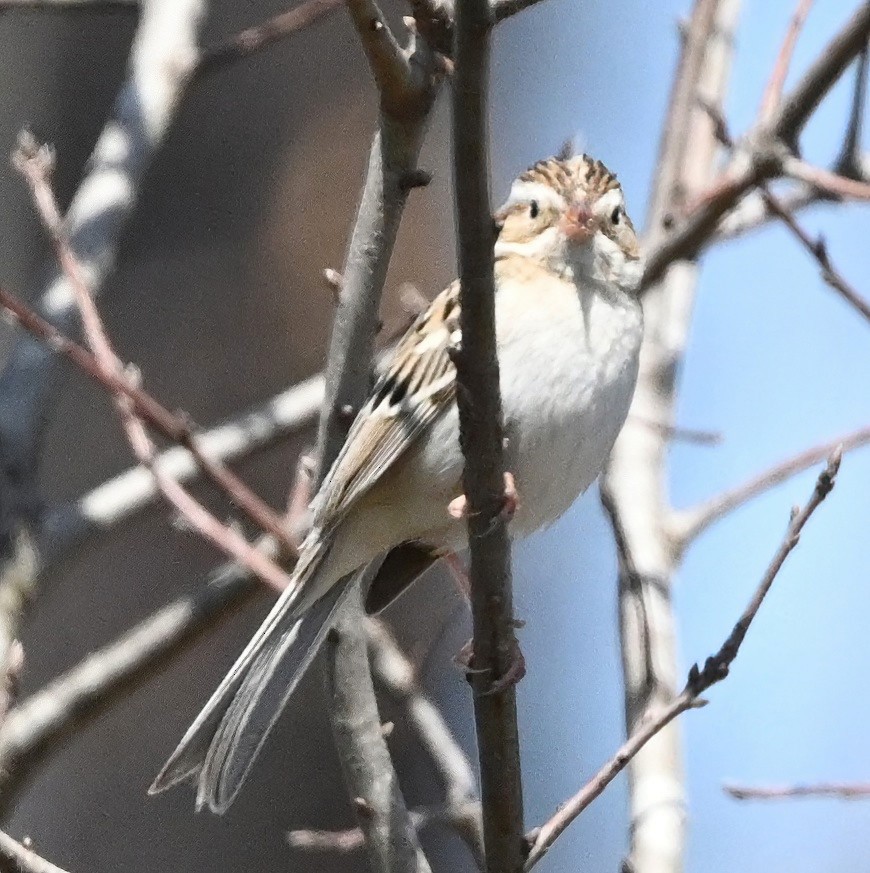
(715, 669)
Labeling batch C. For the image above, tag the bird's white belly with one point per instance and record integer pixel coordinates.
(566, 390)
(567, 377)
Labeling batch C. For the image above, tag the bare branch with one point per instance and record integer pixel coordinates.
(352, 840)
(715, 669)
(395, 673)
(263, 35)
(838, 790)
(767, 149)
(850, 162)
(390, 834)
(19, 858)
(502, 9)
(408, 83)
(480, 425)
(773, 92)
(634, 487)
(35, 726)
(118, 499)
(389, 64)
(163, 54)
(676, 433)
(830, 183)
(688, 524)
(831, 63)
(35, 162)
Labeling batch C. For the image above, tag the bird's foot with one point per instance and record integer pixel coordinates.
(464, 660)
(458, 507)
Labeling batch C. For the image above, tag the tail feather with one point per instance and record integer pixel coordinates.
(195, 748)
(260, 698)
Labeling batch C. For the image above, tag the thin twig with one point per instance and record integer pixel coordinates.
(838, 790)
(766, 153)
(34, 162)
(634, 488)
(502, 9)
(688, 524)
(352, 839)
(263, 35)
(830, 183)
(396, 675)
(23, 859)
(677, 433)
(173, 426)
(773, 91)
(850, 162)
(113, 502)
(774, 206)
(715, 669)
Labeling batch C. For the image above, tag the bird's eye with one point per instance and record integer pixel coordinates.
(616, 215)
(534, 209)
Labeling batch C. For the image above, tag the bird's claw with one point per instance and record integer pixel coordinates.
(458, 507)
(464, 660)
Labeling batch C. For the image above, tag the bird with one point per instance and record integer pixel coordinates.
(569, 326)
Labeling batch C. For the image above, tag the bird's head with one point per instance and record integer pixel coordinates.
(570, 215)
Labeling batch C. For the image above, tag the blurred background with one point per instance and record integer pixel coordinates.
(218, 297)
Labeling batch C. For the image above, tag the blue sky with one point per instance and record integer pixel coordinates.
(776, 362)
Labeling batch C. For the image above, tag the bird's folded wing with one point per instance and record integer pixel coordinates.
(417, 385)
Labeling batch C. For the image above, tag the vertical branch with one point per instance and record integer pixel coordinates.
(480, 419)
(633, 488)
(407, 84)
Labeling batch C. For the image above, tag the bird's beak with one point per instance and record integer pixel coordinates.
(578, 223)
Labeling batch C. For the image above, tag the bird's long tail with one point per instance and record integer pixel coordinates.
(222, 743)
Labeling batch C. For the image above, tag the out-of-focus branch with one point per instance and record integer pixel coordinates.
(174, 426)
(16, 858)
(822, 75)
(396, 675)
(688, 524)
(120, 498)
(263, 35)
(832, 184)
(761, 153)
(820, 182)
(495, 649)
(502, 9)
(34, 162)
(715, 669)
(852, 163)
(838, 790)
(37, 724)
(773, 92)
(633, 488)
(163, 51)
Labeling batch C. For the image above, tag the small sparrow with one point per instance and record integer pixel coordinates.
(568, 328)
